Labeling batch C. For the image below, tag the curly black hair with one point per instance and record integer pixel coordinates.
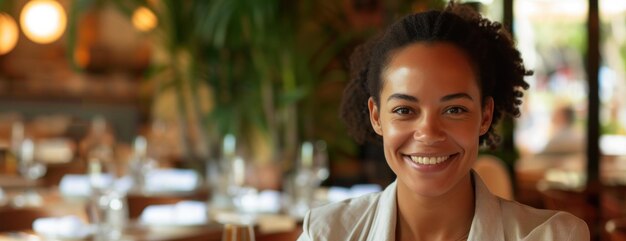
(497, 63)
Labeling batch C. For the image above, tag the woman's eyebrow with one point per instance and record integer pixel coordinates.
(456, 96)
(402, 97)
(443, 99)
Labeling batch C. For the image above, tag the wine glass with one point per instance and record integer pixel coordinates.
(320, 161)
(238, 232)
(107, 204)
(312, 170)
(244, 197)
(30, 169)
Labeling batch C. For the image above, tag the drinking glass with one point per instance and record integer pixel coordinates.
(221, 177)
(238, 232)
(108, 212)
(108, 209)
(320, 161)
(30, 169)
(312, 170)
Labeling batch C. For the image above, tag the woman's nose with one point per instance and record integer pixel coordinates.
(428, 130)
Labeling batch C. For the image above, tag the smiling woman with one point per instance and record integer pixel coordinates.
(430, 89)
(430, 118)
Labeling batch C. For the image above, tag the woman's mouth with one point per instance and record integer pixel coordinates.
(429, 160)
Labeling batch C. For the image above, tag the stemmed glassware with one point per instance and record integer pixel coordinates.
(320, 161)
(30, 169)
(140, 165)
(227, 178)
(311, 171)
(107, 205)
(220, 177)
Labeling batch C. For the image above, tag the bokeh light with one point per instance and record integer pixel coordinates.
(8, 33)
(43, 21)
(144, 19)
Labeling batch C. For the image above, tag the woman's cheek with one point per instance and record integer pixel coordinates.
(397, 133)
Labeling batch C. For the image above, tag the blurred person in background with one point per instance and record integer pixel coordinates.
(565, 138)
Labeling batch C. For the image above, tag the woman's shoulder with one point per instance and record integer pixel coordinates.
(511, 220)
(532, 223)
(344, 212)
(352, 219)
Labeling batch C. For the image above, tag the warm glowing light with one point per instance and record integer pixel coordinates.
(82, 56)
(43, 21)
(144, 19)
(8, 33)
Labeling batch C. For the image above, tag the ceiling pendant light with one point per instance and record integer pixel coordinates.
(43, 21)
(8, 33)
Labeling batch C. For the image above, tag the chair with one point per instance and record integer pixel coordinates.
(613, 200)
(575, 202)
(495, 175)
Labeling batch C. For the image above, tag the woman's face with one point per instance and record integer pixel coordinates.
(430, 117)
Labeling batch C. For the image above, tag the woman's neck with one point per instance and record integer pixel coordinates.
(446, 217)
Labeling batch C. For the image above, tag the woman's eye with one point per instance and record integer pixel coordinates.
(455, 110)
(402, 111)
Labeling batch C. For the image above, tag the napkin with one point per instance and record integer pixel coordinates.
(336, 194)
(275, 223)
(266, 201)
(164, 180)
(75, 185)
(66, 227)
(363, 189)
(78, 185)
(56, 150)
(181, 213)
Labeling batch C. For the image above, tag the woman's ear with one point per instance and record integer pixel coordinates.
(374, 116)
(487, 115)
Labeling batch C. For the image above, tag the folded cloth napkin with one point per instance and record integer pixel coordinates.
(181, 213)
(55, 150)
(63, 227)
(75, 185)
(266, 201)
(276, 223)
(336, 194)
(78, 185)
(362, 189)
(164, 180)
(269, 201)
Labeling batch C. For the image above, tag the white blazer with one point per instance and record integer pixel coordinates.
(373, 218)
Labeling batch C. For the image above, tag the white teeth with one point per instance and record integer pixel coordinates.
(428, 160)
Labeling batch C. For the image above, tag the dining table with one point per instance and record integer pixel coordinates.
(137, 232)
(16, 221)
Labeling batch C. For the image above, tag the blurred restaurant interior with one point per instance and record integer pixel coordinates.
(191, 120)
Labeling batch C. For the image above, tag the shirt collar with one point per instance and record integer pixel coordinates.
(384, 223)
(487, 221)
